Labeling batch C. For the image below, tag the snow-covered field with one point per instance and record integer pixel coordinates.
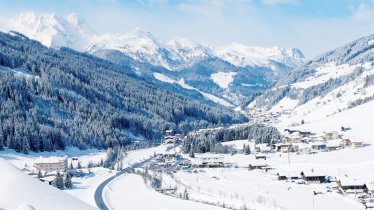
(83, 187)
(21, 192)
(130, 192)
(223, 79)
(215, 99)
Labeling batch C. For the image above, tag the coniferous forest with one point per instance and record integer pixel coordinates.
(50, 99)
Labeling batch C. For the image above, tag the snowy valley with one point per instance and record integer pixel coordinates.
(105, 121)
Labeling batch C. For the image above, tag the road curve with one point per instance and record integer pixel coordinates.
(99, 194)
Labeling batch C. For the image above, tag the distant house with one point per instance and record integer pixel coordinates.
(313, 177)
(282, 147)
(333, 145)
(328, 135)
(51, 164)
(287, 176)
(258, 164)
(209, 162)
(349, 142)
(352, 186)
(264, 148)
(318, 146)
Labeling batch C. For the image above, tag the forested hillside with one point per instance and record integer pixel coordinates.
(50, 99)
(209, 140)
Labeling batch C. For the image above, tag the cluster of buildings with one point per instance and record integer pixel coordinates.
(307, 142)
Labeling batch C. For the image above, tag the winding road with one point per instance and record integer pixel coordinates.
(99, 200)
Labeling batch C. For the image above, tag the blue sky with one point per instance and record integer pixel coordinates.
(313, 26)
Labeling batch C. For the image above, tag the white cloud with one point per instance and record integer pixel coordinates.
(364, 12)
(274, 2)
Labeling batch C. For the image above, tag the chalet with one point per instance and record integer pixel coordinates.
(333, 145)
(281, 147)
(260, 157)
(287, 176)
(357, 144)
(264, 148)
(328, 135)
(316, 138)
(259, 164)
(209, 162)
(313, 177)
(352, 186)
(318, 146)
(51, 164)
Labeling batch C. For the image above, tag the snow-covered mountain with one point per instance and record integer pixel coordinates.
(53, 30)
(329, 84)
(230, 72)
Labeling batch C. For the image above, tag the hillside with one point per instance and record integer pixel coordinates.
(54, 98)
(22, 192)
(246, 69)
(329, 84)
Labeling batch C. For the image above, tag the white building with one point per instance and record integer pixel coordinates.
(51, 164)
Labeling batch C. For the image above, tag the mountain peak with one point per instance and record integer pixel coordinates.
(53, 30)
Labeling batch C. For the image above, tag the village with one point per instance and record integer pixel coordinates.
(260, 160)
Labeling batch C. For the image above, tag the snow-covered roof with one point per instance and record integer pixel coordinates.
(334, 143)
(350, 182)
(313, 173)
(50, 159)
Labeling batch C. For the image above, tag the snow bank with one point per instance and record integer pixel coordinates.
(20, 191)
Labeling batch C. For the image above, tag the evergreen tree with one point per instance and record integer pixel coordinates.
(40, 174)
(79, 166)
(247, 150)
(68, 183)
(58, 182)
(71, 165)
(186, 195)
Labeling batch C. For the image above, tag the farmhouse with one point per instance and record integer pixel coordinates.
(334, 145)
(288, 176)
(318, 145)
(258, 164)
(264, 148)
(209, 162)
(313, 177)
(352, 186)
(51, 164)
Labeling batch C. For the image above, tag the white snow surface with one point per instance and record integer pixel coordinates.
(223, 79)
(20, 191)
(130, 192)
(215, 99)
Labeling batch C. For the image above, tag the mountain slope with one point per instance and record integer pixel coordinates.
(63, 97)
(20, 191)
(331, 83)
(251, 68)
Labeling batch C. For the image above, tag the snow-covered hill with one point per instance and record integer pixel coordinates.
(329, 84)
(250, 68)
(22, 192)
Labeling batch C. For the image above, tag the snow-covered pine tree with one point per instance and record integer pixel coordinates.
(68, 183)
(58, 182)
(40, 175)
(247, 150)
